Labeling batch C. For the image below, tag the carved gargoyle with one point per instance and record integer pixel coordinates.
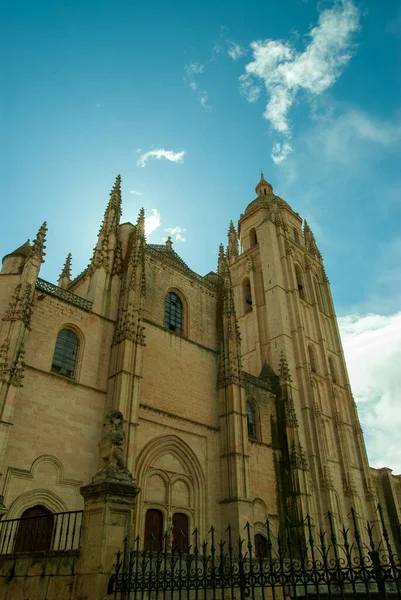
(111, 450)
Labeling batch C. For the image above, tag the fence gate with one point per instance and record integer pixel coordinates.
(346, 563)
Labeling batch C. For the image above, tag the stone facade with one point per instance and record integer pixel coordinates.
(245, 413)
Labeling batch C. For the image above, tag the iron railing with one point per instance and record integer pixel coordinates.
(53, 531)
(54, 290)
(344, 562)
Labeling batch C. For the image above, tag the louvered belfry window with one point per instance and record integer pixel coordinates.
(173, 313)
(65, 353)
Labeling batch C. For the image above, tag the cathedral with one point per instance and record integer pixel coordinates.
(233, 385)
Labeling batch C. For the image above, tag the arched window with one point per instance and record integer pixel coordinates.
(333, 370)
(34, 530)
(260, 545)
(296, 235)
(180, 532)
(300, 284)
(250, 420)
(247, 295)
(173, 313)
(65, 353)
(312, 359)
(253, 237)
(153, 529)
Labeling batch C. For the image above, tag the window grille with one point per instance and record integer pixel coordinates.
(173, 313)
(65, 353)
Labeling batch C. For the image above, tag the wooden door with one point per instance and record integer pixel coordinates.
(153, 526)
(180, 532)
(34, 530)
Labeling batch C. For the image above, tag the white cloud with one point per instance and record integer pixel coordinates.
(152, 222)
(176, 231)
(194, 69)
(285, 71)
(372, 346)
(177, 157)
(235, 50)
(281, 151)
(135, 193)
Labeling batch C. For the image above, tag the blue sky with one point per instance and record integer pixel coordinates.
(308, 91)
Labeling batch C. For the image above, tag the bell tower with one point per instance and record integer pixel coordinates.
(286, 317)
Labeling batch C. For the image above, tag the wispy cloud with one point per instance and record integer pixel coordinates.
(135, 193)
(152, 222)
(372, 346)
(351, 135)
(285, 72)
(191, 72)
(194, 69)
(177, 157)
(235, 50)
(176, 233)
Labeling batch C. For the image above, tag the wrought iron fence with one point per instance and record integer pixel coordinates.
(53, 531)
(358, 561)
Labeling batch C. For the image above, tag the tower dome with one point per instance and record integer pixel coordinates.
(263, 188)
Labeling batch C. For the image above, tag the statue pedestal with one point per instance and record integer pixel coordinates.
(107, 520)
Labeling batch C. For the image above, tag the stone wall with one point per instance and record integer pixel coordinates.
(36, 576)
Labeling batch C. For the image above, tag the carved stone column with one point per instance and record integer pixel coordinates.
(108, 516)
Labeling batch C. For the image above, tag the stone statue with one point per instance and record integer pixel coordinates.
(111, 450)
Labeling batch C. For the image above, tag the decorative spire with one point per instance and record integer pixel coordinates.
(66, 272)
(108, 234)
(65, 277)
(38, 247)
(140, 222)
(112, 214)
(230, 367)
(310, 241)
(232, 247)
(169, 243)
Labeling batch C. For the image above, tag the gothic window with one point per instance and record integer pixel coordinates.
(34, 530)
(247, 295)
(312, 359)
(153, 529)
(296, 235)
(180, 532)
(333, 371)
(251, 420)
(173, 313)
(260, 545)
(65, 353)
(300, 282)
(253, 237)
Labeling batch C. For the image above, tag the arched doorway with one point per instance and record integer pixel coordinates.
(34, 530)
